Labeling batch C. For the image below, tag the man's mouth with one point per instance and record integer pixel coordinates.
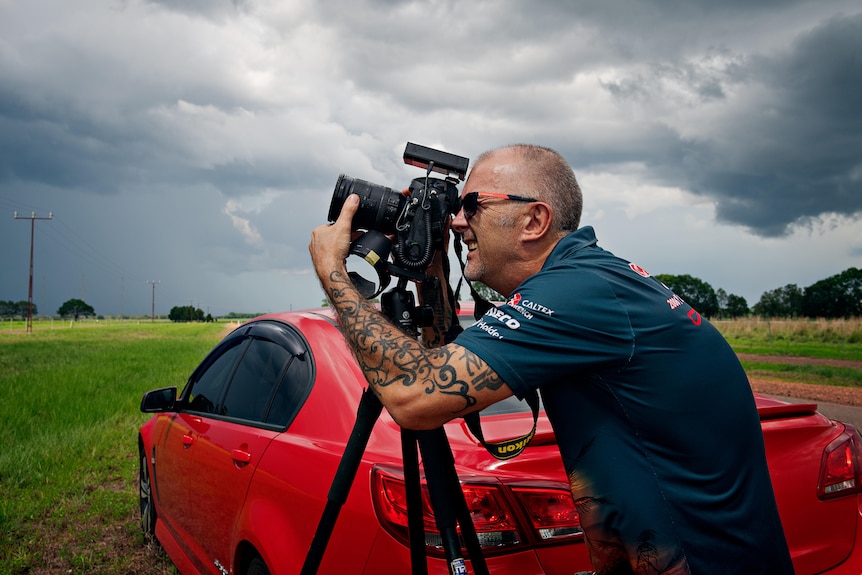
(470, 243)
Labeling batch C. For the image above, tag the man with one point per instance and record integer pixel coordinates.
(653, 414)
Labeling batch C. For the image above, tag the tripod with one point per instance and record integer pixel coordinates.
(447, 498)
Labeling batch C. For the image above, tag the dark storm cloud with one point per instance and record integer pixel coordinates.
(794, 155)
(243, 113)
(789, 117)
(99, 109)
(56, 145)
(69, 146)
(782, 157)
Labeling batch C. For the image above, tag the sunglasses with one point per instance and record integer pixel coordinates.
(470, 202)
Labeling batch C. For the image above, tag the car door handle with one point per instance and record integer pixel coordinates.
(241, 457)
(188, 440)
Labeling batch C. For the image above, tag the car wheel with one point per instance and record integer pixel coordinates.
(257, 567)
(148, 510)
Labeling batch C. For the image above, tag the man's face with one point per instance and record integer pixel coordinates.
(490, 232)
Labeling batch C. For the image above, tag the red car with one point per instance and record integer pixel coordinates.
(235, 470)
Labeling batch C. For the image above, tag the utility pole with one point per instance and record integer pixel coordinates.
(154, 282)
(32, 219)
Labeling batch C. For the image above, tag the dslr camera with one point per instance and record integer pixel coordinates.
(408, 226)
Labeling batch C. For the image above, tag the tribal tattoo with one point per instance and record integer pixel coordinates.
(389, 357)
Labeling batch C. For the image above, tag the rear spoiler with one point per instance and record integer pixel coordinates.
(782, 410)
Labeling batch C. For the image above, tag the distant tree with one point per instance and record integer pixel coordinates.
(722, 300)
(75, 308)
(780, 302)
(186, 313)
(731, 305)
(836, 296)
(242, 315)
(696, 292)
(736, 306)
(12, 309)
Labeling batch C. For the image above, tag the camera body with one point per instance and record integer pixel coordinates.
(415, 219)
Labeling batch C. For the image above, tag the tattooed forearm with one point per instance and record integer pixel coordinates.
(388, 357)
(483, 376)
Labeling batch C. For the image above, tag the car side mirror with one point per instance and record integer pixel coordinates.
(159, 400)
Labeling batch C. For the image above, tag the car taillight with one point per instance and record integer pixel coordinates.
(504, 518)
(551, 511)
(841, 466)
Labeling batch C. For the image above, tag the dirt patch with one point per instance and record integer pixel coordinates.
(823, 393)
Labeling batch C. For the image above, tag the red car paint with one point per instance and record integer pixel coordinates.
(224, 491)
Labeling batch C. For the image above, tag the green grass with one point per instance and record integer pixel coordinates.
(68, 454)
(834, 339)
(812, 374)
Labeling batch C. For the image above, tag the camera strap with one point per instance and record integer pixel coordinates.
(509, 448)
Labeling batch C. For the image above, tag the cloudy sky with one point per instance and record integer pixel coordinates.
(196, 143)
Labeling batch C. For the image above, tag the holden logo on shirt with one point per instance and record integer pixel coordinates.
(639, 270)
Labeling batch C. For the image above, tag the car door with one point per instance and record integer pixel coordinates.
(229, 445)
(174, 465)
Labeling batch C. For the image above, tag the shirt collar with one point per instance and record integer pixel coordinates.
(574, 241)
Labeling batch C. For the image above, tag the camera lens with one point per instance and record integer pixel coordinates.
(379, 206)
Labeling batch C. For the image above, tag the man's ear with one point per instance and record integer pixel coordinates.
(540, 215)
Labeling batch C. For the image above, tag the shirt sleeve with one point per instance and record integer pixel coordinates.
(555, 327)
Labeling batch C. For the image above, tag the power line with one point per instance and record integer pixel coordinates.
(32, 219)
(154, 282)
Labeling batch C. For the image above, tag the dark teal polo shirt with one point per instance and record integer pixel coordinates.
(653, 414)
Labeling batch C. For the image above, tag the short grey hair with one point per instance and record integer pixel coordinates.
(547, 176)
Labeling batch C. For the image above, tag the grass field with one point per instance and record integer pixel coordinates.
(821, 339)
(68, 458)
(836, 338)
(69, 415)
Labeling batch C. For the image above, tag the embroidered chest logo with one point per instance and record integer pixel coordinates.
(525, 306)
(639, 270)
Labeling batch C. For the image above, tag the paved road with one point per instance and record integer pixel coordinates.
(845, 413)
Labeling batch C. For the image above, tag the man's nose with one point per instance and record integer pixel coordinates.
(460, 223)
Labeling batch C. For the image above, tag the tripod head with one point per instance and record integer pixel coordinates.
(399, 305)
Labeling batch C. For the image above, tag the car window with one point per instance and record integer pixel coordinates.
(509, 405)
(262, 373)
(292, 392)
(256, 379)
(207, 389)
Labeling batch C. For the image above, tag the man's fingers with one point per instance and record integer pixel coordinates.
(348, 209)
(331, 242)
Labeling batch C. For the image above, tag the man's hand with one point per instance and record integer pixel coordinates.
(330, 243)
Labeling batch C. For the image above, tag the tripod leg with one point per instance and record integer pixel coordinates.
(367, 414)
(447, 500)
(413, 493)
(468, 530)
